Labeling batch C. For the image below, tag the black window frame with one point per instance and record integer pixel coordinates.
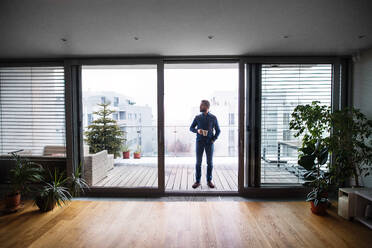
(249, 85)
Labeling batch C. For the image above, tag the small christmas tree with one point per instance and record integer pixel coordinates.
(104, 132)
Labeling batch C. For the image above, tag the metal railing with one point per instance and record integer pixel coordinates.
(179, 140)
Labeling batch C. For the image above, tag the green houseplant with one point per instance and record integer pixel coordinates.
(126, 151)
(316, 178)
(311, 122)
(22, 175)
(76, 182)
(104, 132)
(56, 189)
(351, 146)
(52, 191)
(137, 152)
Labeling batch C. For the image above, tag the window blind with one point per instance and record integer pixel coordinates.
(285, 86)
(32, 110)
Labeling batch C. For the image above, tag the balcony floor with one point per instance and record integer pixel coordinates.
(179, 174)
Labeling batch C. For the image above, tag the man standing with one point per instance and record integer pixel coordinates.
(203, 126)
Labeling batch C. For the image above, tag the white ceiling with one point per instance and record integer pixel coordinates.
(34, 28)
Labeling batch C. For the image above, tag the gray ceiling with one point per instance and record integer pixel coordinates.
(34, 28)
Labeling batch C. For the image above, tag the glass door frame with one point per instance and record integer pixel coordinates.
(248, 109)
(341, 97)
(241, 113)
(76, 141)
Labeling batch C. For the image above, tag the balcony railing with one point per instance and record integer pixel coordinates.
(179, 140)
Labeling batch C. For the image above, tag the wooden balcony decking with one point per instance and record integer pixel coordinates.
(177, 177)
(180, 175)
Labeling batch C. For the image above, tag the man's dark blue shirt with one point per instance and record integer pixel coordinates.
(206, 122)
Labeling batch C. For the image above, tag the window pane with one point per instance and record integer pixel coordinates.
(32, 106)
(283, 88)
(128, 91)
(185, 85)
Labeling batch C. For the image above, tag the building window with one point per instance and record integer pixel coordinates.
(90, 119)
(115, 116)
(122, 115)
(231, 119)
(231, 137)
(103, 100)
(116, 101)
(129, 116)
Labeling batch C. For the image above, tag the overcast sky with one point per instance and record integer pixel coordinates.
(183, 88)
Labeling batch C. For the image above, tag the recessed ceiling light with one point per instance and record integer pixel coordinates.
(136, 38)
(361, 36)
(63, 39)
(210, 37)
(285, 36)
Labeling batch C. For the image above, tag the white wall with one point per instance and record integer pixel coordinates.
(362, 90)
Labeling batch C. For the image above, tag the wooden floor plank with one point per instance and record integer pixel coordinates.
(180, 224)
(129, 183)
(190, 178)
(184, 178)
(172, 176)
(232, 181)
(152, 178)
(177, 176)
(177, 179)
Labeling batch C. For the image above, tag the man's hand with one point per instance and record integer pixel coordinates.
(200, 132)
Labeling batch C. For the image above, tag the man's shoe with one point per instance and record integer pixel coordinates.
(210, 184)
(195, 185)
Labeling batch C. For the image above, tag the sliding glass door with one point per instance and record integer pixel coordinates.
(283, 87)
(120, 125)
(185, 86)
(136, 122)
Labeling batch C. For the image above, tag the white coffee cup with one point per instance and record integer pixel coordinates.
(205, 132)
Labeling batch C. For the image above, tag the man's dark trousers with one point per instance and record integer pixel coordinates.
(201, 146)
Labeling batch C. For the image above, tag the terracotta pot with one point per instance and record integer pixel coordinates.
(320, 209)
(45, 206)
(136, 155)
(13, 200)
(126, 155)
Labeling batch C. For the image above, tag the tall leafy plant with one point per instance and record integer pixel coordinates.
(311, 122)
(104, 132)
(315, 177)
(24, 173)
(351, 145)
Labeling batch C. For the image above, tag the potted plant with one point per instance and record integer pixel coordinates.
(137, 152)
(311, 122)
(351, 146)
(316, 178)
(55, 189)
(52, 191)
(22, 175)
(126, 151)
(76, 183)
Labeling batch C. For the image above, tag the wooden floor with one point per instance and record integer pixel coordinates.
(177, 177)
(180, 224)
(182, 176)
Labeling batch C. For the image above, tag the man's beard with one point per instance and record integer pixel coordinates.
(203, 110)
